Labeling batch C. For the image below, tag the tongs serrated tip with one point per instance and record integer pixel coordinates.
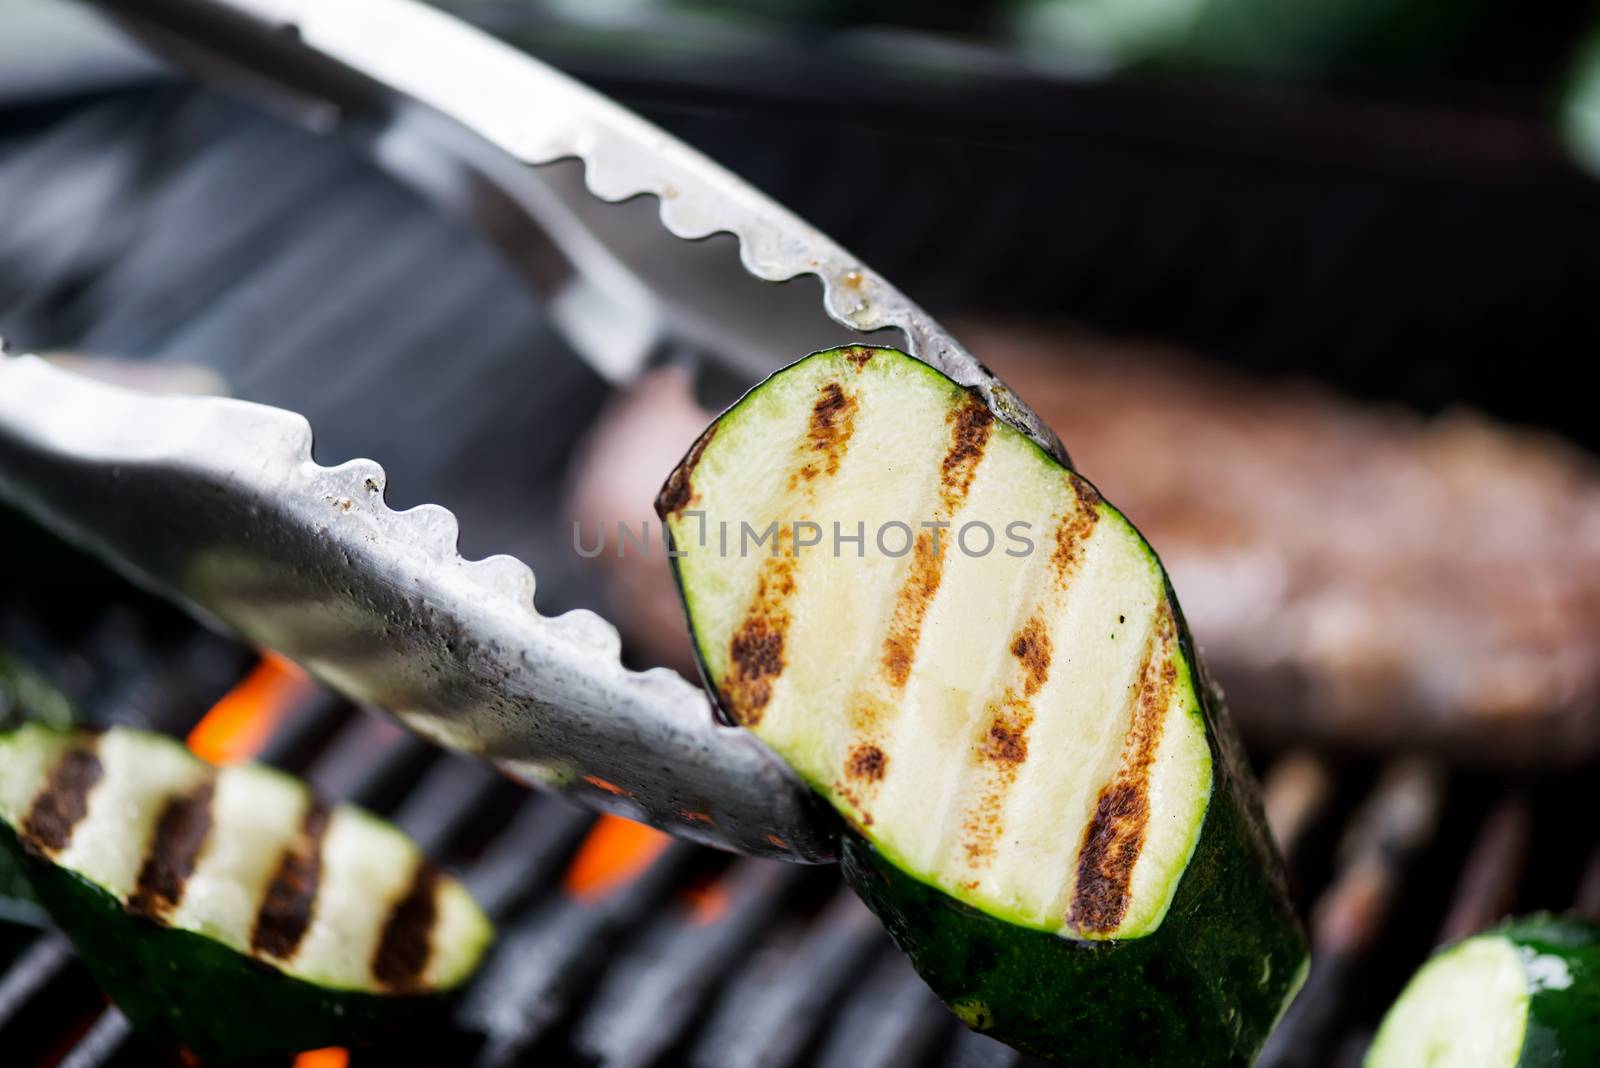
(311, 562)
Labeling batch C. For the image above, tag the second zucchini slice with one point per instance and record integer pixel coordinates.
(1525, 995)
(229, 910)
(980, 664)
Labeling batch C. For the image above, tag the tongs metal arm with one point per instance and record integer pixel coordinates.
(218, 502)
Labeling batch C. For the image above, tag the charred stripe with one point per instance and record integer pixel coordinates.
(833, 423)
(678, 492)
(286, 908)
(910, 609)
(1073, 531)
(1115, 835)
(970, 427)
(180, 835)
(63, 801)
(406, 944)
(755, 652)
(756, 649)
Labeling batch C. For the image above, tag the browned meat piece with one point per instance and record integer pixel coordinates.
(1356, 575)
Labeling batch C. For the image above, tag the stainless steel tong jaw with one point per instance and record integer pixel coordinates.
(219, 503)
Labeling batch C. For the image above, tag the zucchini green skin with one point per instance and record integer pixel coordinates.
(1205, 988)
(1563, 1024)
(187, 990)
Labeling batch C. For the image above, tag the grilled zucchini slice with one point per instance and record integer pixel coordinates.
(979, 662)
(25, 697)
(1525, 995)
(228, 910)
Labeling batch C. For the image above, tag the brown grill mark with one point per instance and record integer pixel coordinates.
(1004, 748)
(970, 426)
(844, 791)
(1115, 836)
(1072, 532)
(867, 762)
(1089, 499)
(755, 652)
(1006, 743)
(756, 649)
(180, 835)
(678, 492)
(1110, 847)
(406, 943)
(285, 912)
(62, 802)
(1031, 647)
(859, 355)
(910, 609)
(833, 420)
(866, 713)
(981, 829)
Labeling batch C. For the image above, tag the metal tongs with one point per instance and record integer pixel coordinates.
(218, 501)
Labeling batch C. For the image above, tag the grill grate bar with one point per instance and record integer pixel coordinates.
(528, 855)
(972, 1050)
(47, 958)
(1587, 901)
(1487, 887)
(545, 960)
(892, 1020)
(442, 806)
(773, 1012)
(303, 730)
(366, 760)
(103, 1041)
(1296, 791)
(650, 994)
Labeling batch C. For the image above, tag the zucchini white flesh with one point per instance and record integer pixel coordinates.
(1526, 995)
(191, 888)
(980, 664)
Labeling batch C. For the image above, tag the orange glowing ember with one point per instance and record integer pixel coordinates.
(706, 902)
(615, 852)
(332, 1057)
(238, 725)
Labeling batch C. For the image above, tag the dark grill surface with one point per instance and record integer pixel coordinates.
(176, 226)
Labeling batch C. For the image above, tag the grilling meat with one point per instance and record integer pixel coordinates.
(1354, 574)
